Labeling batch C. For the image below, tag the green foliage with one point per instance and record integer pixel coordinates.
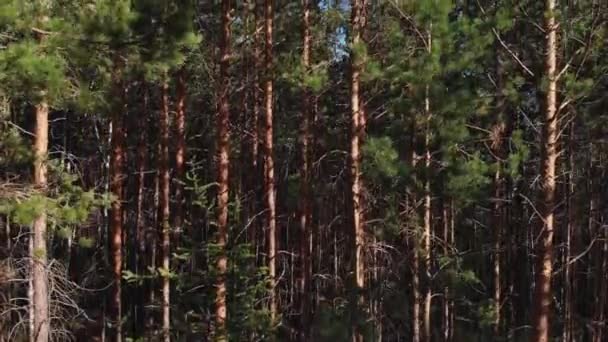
(65, 204)
(380, 159)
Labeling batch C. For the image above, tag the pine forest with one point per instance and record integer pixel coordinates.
(304, 170)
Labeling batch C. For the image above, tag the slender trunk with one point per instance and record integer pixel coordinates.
(223, 150)
(355, 166)
(427, 209)
(415, 244)
(180, 153)
(253, 125)
(452, 305)
(140, 237)
(117, 176)
(569, 270)
(164, 208)
(151, 240)
(269, 181)
(427, 224)
(543, 295)
(305, 185)
(39, 229)
(498, 230)
(500, 133)
(600, 314)
(446, 252)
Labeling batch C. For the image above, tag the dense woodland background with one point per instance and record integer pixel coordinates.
(333, 170)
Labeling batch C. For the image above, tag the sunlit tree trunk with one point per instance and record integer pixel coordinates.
(543, 296)
(269, 180)
(39, 257)
(223, 150)
(356, 131)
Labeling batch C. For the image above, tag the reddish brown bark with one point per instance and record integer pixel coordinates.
(140, 238)
(41, 324)
(543, 296)
(223, 150)
(117, 176)
(269, 181)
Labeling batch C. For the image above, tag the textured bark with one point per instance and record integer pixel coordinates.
(40, 280)
(164, 209)
(305, 212)
(356, 131)
(543, 295)
(117, 176)
(269, 180)
(223, 150)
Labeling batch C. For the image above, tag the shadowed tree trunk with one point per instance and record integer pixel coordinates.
(164, 209)
(117, 177)
(223, 151)
(305, 212)
(180, 153)
(140, 235)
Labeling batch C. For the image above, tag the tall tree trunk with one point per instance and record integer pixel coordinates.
(253, 126)
(39, 229)
(269, 181)
(117, 176)
(543, 295)
(427, 225)
(499, 135)
(445, 208)
(164, 209)
(569, 270)
(140, 236)
(223, 150)
(180, 152)
(415, 244)
(305, 213)
(356, 131)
